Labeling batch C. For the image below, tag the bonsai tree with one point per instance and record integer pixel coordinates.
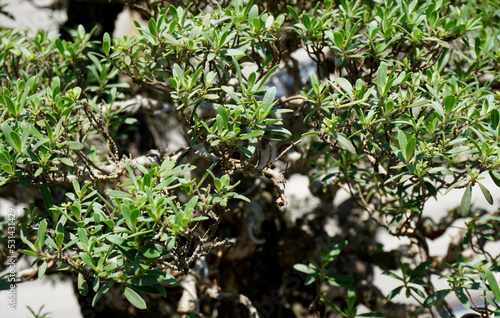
(154, 166)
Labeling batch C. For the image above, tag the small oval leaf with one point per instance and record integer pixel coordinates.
(134, 298)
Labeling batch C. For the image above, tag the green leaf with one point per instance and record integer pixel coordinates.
(116, 194)
(293, 13)
(449, 102)
(233, 52)
(145, 280)
(74, 145)
(42, 269)
(225, 117)
(128, 216)
(268, 102)
(189, 208)
(76, 186)
(410, 148)
(466, 201)
(10, 106)
(439, 109)
(394, 292)
(5, 158)
(83, 287)
(381, 78)
(311, 279)
(15, 141)
(220, 123)
(134, 298)
(371, 314)
(306, 20)
(304, 269)
(28, 252)
(344, 84)
(117, 240)
(106, 44)
(82, 235)
(486, 193)
(24, 237)
(346, 143)
(436, 297)
(41, 234)
(393, 275)
(102, 291)
(59, 46)
(253, 13)
(152, 250)
(463, 298)
(493, 284)
(338, 38)
(264, 79)
(59, 235)
(88, 260)
(495, 176)
(252, 134)
(314, 80)
(402, 141)
(495, 117)
(179, 74)
(420, 268)
(67, 161)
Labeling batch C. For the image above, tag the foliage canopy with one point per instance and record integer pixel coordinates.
(400, 104)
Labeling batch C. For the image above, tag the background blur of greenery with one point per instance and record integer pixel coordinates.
(154, 166)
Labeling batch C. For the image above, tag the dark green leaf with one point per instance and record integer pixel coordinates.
(146, 280)
(436, 297)
(374, 314)
(152, 250)
(495, 117)
(59, 46)
(83, 287)
(486, 193)
(495, 176)
(293, 13)
(152, 27)
(449, 103)
(463, 298)
(466, 201)
(394, 292)
(493, 284)
(311, 279)
(101, 292)
(420, 268)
